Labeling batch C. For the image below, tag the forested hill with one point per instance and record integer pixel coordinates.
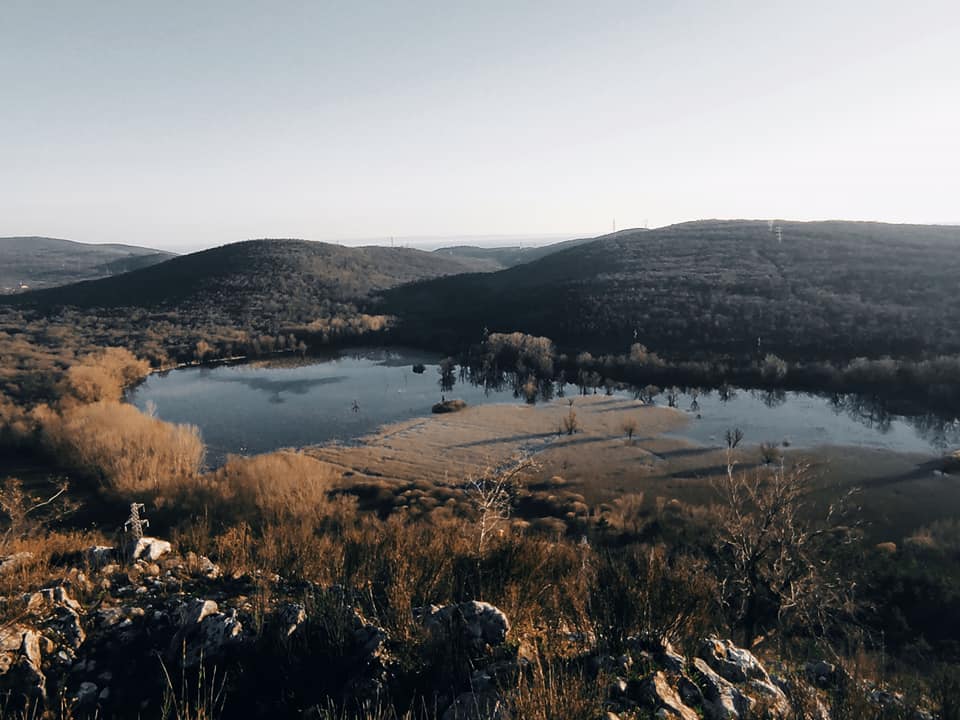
(45, 262)
(819, 289)
(288, 278)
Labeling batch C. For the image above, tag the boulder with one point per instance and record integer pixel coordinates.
(657, 694)
(149, 549)
(204, 633)
(290, 617)
(22, 679)
(477, 623)
(731, 662)
(100, 556)
(721, 699)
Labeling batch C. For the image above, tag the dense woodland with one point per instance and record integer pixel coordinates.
(826, 291)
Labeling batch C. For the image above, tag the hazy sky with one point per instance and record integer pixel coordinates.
(182, 124)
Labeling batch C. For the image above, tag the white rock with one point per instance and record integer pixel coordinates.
(721, 700)
(151, 549)
(731, 662)
(666, 700)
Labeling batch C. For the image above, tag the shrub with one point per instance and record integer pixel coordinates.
(133, 454)
(103, 375)
(278, 486)
(770, 453)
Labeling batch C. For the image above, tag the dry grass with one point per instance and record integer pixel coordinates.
(277, 486)
(133, 454)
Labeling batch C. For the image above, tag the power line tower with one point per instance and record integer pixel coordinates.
(136, 523)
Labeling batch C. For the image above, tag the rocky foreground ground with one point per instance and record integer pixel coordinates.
(127, 632)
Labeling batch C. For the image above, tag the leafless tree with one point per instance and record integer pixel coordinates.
(492, 494)
(779, 563)
(27, 513)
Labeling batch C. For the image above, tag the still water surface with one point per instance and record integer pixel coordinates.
(257, 407)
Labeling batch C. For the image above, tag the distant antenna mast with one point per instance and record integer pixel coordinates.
(614, 225)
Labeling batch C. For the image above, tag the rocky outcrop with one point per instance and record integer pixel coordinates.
(737, 665)
(659, 695)
(204, 632)
(722, 700)
(165, 613)
(477, 624)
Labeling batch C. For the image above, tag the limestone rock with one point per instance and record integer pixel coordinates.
(204, 633)
(100, 556)
(737, 665)
(478, 623)
(290, 617)
(721, 699)
(731, 662)
(659, 695)
(150, 549)
(23, 677)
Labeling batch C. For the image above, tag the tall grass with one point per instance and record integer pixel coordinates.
(132, 453)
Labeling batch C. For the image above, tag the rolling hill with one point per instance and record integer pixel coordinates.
(288, 279)
(46, 262)
(701, 289)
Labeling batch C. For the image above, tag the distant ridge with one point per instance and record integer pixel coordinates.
(39, 262)
(500, 258)
(294, 278)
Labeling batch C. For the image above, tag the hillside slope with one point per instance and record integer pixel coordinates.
(828, 290)
(47, 262)
(282, 278)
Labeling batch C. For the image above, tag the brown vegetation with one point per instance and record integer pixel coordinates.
(133, 454)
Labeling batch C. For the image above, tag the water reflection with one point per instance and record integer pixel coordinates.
(265, 406)
(868, 411)
(275, 388)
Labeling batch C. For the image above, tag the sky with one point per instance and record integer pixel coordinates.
(188, 124)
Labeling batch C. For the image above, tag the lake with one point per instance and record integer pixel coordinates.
(257, 407)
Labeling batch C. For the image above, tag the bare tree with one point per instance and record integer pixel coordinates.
(27, 513)
(779, 564)
(492, 495)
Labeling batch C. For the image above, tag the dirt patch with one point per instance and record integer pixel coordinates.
(449, 448)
